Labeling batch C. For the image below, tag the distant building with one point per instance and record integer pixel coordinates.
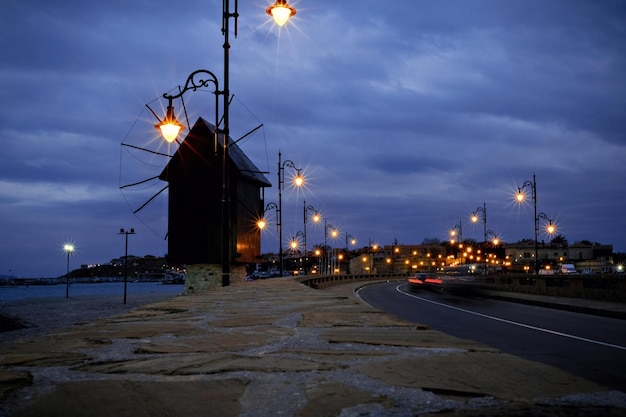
(523, 253)
(194, 175)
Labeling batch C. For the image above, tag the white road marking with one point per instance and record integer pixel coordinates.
(527, 326)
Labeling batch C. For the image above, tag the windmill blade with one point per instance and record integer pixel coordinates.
(247, 134)
(139, 182)
(150, 199)
(146, 150)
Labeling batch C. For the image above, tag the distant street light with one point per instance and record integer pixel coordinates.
(298, 181)
(316, 218)
(474, 218)
(457, 230)
(334, 233)
(495, 241)
(126, 232)
(68, 248)
(520, 197)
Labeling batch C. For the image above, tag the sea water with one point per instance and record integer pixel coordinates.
(13, 293)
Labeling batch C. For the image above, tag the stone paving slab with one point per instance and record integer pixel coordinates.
(276, 347)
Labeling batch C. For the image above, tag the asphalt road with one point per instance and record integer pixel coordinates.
(588, 346)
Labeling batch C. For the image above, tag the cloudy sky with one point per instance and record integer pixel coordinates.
(404, 116)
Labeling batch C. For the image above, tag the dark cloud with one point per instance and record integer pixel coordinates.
(405, 118)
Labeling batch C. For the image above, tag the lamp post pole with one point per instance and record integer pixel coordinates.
(298, 181)
(316, 218)
(520, 198)
(353, 241)
(126, 233)
(69, 248)
(333, 235)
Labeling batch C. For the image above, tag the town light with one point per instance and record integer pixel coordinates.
(281, 12)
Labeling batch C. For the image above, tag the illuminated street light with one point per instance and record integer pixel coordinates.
(457, 230)
(495, 240)
(350, 238)
(126, 232)
(294, 244)
(298, 181)
(316, 218)
(68, 248)
(262, 222)
(474, 218)
(550, 228)
(334, 233)
(281, 12)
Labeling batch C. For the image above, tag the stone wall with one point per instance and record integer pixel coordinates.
(205, 277)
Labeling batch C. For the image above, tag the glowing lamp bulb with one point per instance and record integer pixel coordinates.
(170, 127)
(280, 12)
(261, 224)
(520, 197)
(298, 180)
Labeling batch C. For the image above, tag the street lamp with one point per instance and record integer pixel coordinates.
(520, 197)
(316, 219)
(281, 12)
(334, 233)
(68, 248)
(457, 230)
(262, 222)
(126, 233)
(495, 241)
(352, 240)
(373, 247)
(170, 128)
(298, 181)
(474, 218)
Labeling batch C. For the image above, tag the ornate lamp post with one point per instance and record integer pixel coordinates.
(457, 230)
(352, 241)
(550, 227)
(170, 127)
(474, 218)
(294, 245)
(126, 232)
(68, 248)
(316, 219)
(262, 222)
(298, 181)
(334, 233)
(495, 241)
